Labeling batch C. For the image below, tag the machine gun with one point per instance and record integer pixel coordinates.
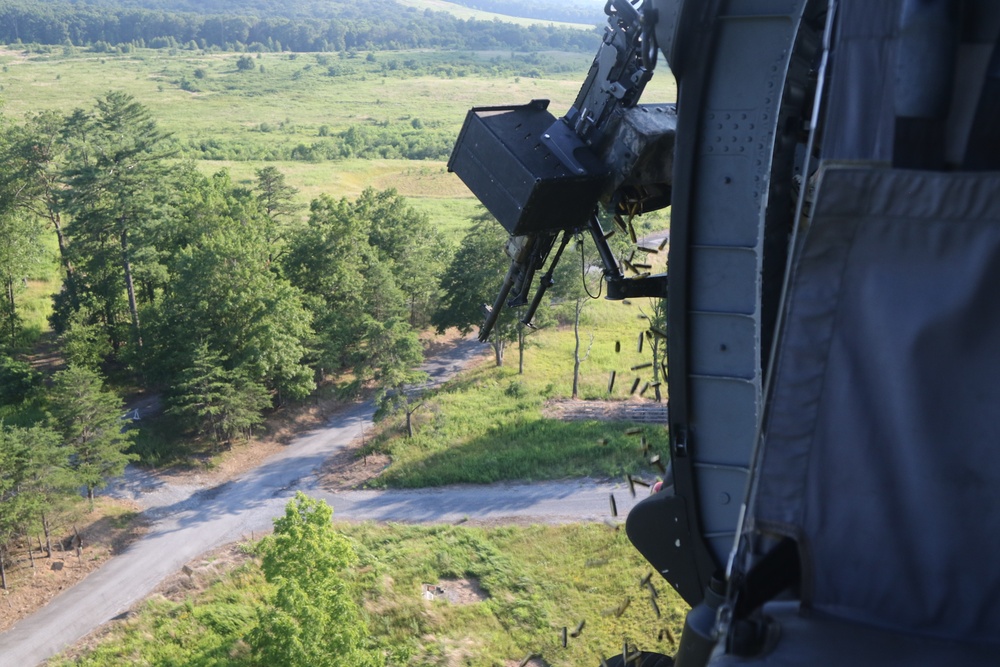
(540, 176)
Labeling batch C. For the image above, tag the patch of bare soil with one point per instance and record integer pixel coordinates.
(107, 531)
(456, 591)
(349, 469)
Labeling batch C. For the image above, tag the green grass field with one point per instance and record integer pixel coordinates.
(535, 580)
(489, 425)
(426, 184)
(296, 94)
(299, 97)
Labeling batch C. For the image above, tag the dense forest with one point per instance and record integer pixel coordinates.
(223, 297)
(342, 26)
(573, 11)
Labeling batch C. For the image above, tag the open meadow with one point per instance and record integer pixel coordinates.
(293, 110)
(463, 12)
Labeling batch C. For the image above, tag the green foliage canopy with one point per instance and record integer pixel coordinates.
(224, 295)
(312, 620)
(472, 278)
(114, 193)
(217, 400)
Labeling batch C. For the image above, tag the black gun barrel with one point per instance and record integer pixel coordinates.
(546, 282)
(493, 313)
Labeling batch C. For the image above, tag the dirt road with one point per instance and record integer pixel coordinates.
(189, 521)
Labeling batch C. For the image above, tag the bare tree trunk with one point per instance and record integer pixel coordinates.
(79, 543)
(111, 322)
(130, 287)
(13, 311)
(3, 568)
(498, 345)
(48, 538)
(56, 221)
(409, 419)
(576, 348)
(520, 351)
(577, 359)
(31, 553)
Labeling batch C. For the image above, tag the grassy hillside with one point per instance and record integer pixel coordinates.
(463, 12)
(295, 95)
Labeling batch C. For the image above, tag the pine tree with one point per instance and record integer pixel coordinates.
(115, 174)
(473, 278)
(89, 419)
(217, 400)
(34, 475)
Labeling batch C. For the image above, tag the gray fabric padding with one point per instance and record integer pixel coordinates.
(861, 104)
(817, 640)
(882, 448)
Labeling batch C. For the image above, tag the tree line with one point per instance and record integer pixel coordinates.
(360, 25)
(224, 298)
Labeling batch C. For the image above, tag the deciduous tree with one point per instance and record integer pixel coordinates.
(33, 476)
(415, 250)
(473, 278)
(223, 295)
(311, 620)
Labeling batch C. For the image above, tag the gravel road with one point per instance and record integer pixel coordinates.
(188, 521)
